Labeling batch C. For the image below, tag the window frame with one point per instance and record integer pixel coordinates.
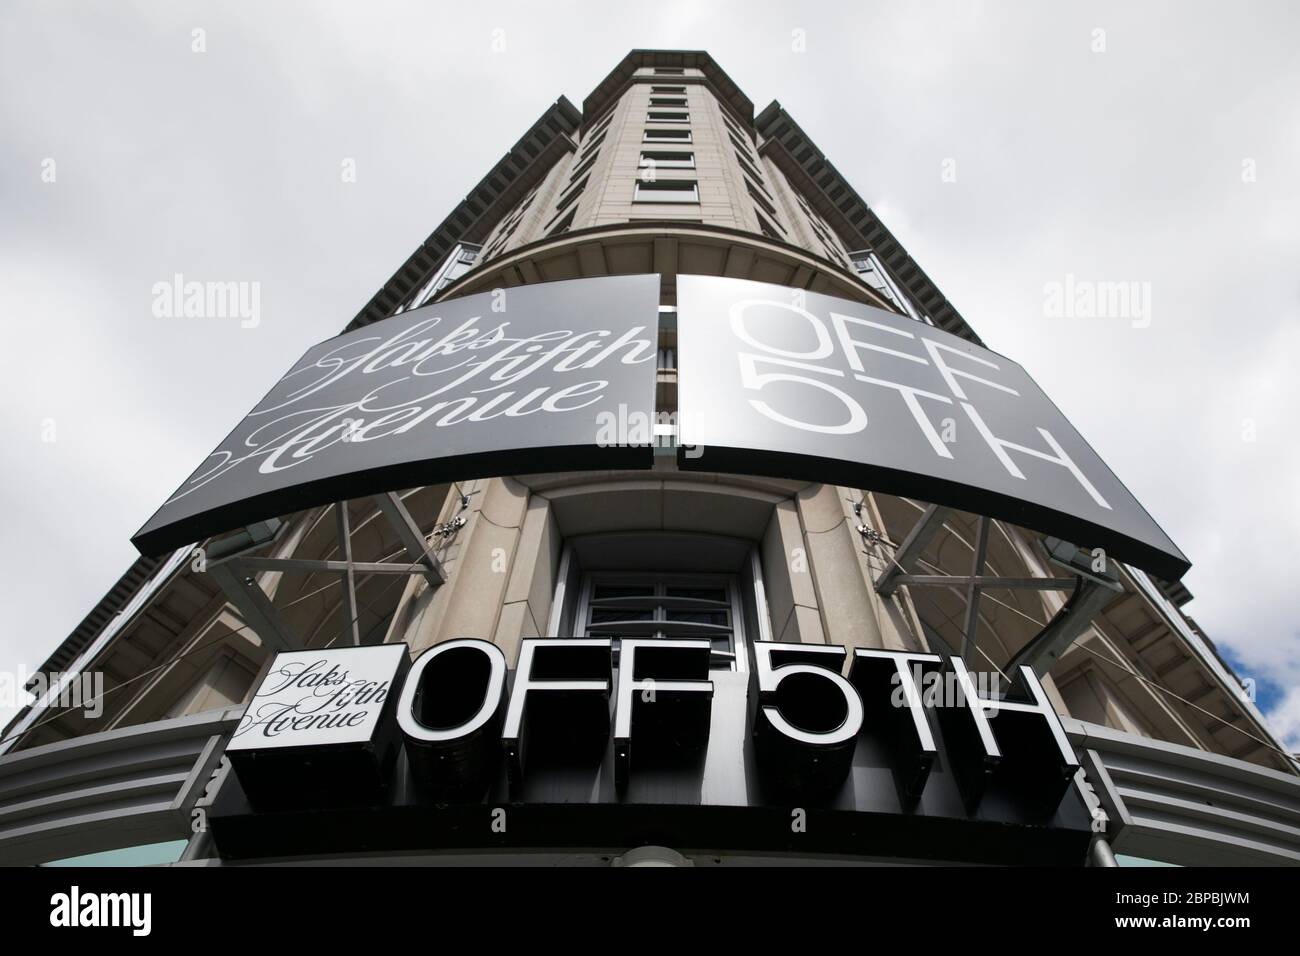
(660, 136)
(666, 185)
(757, 194)
(660, 163)
(733, 660)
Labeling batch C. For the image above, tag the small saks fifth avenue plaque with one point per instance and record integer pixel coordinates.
(321, 723)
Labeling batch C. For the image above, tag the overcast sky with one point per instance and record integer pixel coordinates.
(1007, 145)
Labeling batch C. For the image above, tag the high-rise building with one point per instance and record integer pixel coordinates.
(758, 548)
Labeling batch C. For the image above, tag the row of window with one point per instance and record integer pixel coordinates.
(682, 191)
(649, 189)
(566, 209)
(764, 206)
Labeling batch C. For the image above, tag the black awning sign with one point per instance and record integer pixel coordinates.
(796, 384)
(506, 382)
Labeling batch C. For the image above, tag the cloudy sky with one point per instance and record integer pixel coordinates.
(1008, 145)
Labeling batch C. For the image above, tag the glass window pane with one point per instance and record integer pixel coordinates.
(718, 618)
(666, 190)
(601, 591)
(606, 615)
(698, 593)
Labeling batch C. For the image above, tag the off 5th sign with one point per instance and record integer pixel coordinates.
(328, 725)
(791, 383)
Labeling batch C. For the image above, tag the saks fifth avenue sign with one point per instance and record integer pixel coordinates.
(510, 381)
(771, 380)
(307, 699)
(325, 727)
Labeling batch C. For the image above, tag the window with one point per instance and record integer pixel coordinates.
(872, 271)
(573, 193)
(759, 199)
(670, 71)
(668, 116)
(661, 605)
(666, 136)
(754, 174)
(667, 190)
(657, 584)
(832, 253)
(742, 148)
(143, 854)
(736, 131)
(564, 224)
(593, 145)
(459, 261)
(668, 101)
(565, 202)
(668, 89)
(768, 228)
(667, 159)
(600, 125)
(586, 165)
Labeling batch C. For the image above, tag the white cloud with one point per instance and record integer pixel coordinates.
(224, 165)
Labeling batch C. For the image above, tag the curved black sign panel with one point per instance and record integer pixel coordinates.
(511, 381)
(790, 383)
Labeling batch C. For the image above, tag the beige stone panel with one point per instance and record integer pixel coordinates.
(795, 552)
(846, 608)
(603, 507)
(804, 626)
(477, 589)
(776, 576)
(516, 624)
(504, 502)
(821, 507)
(900, 625)
(713, 508)
(787, 578)
(844, 592)
(537, 560)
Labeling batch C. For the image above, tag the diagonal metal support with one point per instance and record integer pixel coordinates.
(973, 589)
(253, 605)
(408, 532)
(916, 541)
(348, 575)
(311, 565)
(986, 582)
(1043, 650)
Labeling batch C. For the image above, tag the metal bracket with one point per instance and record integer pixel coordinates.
(343, 523)
(251, 538)
(233, 568)
(253, 605)
(987, 582)
(408, 532)
(1091, 594)
(925, 528)
(973, 589)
